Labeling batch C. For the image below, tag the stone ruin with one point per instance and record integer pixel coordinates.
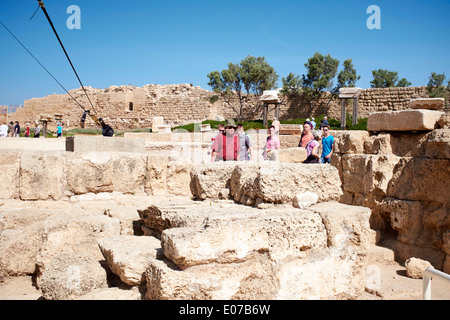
(139, 224)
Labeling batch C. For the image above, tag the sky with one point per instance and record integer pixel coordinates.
(176, 41)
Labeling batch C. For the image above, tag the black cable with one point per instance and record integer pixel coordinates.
(42, 66)
(34, 13)
(41, 4)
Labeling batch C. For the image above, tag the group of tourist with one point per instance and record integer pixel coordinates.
(310, 141)
(232, 143)
(13, 130)
(10, 130)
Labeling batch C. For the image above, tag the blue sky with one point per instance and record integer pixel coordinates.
(177, 41)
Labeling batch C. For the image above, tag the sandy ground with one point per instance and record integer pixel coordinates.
(393, 285)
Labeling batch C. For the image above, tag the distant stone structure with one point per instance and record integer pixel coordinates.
(130, 107)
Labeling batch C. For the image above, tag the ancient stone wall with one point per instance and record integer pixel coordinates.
(128, 107)
(402, 175)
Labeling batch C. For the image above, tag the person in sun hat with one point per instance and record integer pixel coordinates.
(226, 147)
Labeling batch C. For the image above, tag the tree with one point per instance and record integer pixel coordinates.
(347, 77)
(386, 79)
(292, 85)
(435, 87)
(251, 76)
(320, 73)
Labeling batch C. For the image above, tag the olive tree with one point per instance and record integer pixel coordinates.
(248, 78)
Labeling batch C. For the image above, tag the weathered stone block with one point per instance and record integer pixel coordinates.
(421, 179)
(438, 144)
(281, 233)
(346, 225)
(128, 256)
(90, 172)
(129, 172)
(9, 175)
(207, 180)
(350, 141)
(105, 144)
(405, 120)
(427, 103)
(42, 175)
(292, 155)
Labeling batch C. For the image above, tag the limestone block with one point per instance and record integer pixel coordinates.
(20, 240)
(415, 267)
(281, 233)
(350, 141)
(178, 179)
(164, 129)
(405, 120)
(71, 275)
(356, 173)
(105, 144)
(305, 199)
(282, 182)
(232, 243)
(127, 215)
(405, 217)
(156, 179)
(42, 175)
(129, 256)
(438, 144)
(444, 121)
(68, 262)
(9, 175)
(368, 173)
(346, 226)
(348, 93)
(157, 122)
(129, 172)
(421, 179)
(291, 129)
(207, 180)
(427, 103)
(251, 279)
(292, 155)
(174, 213)
(378, 144)
(90, 172)
(331, 275)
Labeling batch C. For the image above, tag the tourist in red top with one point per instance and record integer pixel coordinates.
(226, 146)
(306, 134)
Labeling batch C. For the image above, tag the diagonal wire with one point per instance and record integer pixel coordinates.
(42, 65)
(41, 4)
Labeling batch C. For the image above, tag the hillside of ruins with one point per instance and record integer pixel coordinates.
(149, 216)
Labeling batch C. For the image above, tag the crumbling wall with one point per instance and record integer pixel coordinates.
(60, 175)
(402, 175)
(128, 107)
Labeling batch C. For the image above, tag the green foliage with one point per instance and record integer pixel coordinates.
(257, 75)
(252, 75)
(292, 85)
(320, 73)
(248, 125)
(385, 79)
(435, 87)
(258, 124)
(213, 99)
(347, 77)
